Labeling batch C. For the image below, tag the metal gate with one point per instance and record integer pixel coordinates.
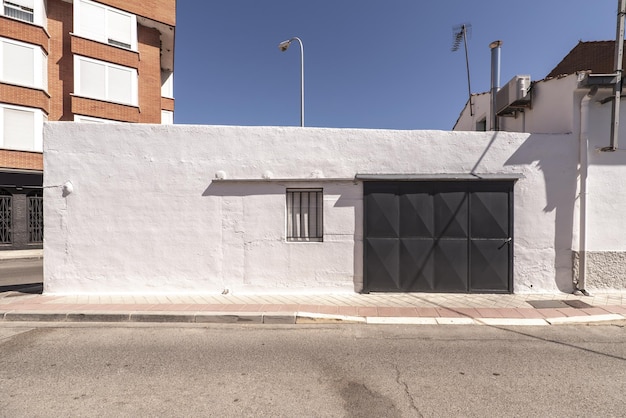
(438, 236)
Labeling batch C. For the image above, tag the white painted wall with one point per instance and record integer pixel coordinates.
(146, 214)
(552, 109)
(566, 105)
(606, 195)
(481, 110)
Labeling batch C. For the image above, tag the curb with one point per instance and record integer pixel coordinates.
(291, 318)
(21, 255)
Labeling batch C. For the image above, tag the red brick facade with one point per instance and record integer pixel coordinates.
(149, 75)
(21, 171)
(60, 61)
(104, 52)
(25, 32)
(59, 102)
(21, 159)
(24, 96)
(163, 11)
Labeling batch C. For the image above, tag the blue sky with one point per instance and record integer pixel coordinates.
(367, 63)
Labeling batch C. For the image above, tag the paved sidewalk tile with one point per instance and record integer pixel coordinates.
(571, 312)
(368, 311)
(490, 312)
(616, 309)
(371, 308)
(449, 313)
(510, 313)
(595, 311)
(470, 312)
(427, 312)
(530, 313)
(550, 313)
(343, 310)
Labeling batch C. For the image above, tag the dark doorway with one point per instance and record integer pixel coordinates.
(438, 236)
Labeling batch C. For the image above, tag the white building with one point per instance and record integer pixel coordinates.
(271, 209)
(570, 101)
(384, 210)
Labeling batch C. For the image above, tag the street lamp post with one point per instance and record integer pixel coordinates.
(283, 46)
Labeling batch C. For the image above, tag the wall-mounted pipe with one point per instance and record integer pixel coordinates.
(495, 81)
(617, 87)
(583, 164)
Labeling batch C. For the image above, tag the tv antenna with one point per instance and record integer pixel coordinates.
(460, 33)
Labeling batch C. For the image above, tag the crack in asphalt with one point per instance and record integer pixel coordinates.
(406, 390)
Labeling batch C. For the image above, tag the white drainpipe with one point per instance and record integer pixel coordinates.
(583, 165)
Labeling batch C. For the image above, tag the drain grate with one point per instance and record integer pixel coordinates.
(556, 304)
(578, 304)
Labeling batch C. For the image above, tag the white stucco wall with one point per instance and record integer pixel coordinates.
(551, 110)
(564, 105)
(146, 214)
(606, 188)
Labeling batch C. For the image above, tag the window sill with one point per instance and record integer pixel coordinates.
(33, 24)
(134, 106)
(134, 51)
(30, 151)
(24, 86)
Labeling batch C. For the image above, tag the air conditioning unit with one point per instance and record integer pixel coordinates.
(514, 96)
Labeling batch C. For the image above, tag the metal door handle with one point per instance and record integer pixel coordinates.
(506, 241)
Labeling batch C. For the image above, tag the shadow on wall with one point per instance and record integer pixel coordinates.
(241, 188)
(254, 188)
(558, 162)
(357, 256)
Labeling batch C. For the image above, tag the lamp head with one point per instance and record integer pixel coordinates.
(284, 45)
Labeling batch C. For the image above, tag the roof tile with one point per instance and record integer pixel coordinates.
(596, 56)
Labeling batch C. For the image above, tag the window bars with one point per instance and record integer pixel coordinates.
(305, 220)
(6, 217)
(35, 217)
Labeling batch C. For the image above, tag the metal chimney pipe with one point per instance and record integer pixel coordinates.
(495, 81)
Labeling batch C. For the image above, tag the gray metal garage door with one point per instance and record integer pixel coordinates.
(438, 236)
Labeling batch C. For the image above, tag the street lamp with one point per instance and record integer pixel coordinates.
(283, 46)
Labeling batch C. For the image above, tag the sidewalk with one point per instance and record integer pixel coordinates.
(378, 308)
(20, 254)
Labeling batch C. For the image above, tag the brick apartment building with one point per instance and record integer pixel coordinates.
(83, 61)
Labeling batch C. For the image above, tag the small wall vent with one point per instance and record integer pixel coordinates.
(515, 95)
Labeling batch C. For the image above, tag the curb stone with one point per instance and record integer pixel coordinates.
(279, 318)
(585, 319)
(228, 318)
(318, 318)
(291, 318)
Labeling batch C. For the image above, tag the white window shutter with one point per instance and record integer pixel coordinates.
(44, 71)
(92, 79)
(167, 84)
(24, 3)
(120, 85)
(167, 117)
(92, 21)
(18, 64)
(119, 27)
(19, 129)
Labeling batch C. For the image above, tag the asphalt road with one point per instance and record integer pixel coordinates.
(51, 370)
(20, 271)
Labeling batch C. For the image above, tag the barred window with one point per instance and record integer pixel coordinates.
(35, 217)
(6, 217)
(305, 221)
